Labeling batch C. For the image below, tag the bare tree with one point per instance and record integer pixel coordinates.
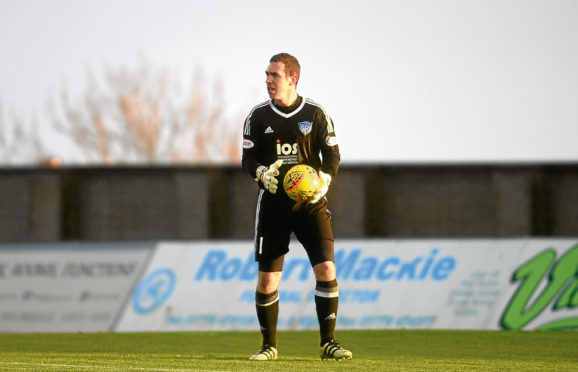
(146, 115)
(19, 141)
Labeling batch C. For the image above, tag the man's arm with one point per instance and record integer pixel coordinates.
(266, 175)
(250, 142)
(330, 156)
(249, 160)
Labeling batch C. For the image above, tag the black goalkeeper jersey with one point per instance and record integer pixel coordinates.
(301, 134)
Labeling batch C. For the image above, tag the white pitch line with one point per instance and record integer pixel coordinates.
(101, 367)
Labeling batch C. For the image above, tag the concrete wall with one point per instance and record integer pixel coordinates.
(450, 201)
(107, 204)
(30, 206)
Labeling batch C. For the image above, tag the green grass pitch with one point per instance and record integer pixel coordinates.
(377, 350)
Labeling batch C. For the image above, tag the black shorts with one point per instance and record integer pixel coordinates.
(311, 225)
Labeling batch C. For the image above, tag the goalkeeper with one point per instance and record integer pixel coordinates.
(279, 133)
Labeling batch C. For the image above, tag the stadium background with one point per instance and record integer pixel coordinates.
(460, 210)
(216, 202)
(169, 248)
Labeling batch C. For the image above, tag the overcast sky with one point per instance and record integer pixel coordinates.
(404, 81)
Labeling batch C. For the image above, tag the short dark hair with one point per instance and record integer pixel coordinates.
(291, 63)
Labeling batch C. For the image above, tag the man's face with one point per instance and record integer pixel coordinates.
(279, 85)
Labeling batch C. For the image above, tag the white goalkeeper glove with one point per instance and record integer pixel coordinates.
(267, 175)
(320, 193)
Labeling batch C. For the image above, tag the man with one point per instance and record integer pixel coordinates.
(279, 133)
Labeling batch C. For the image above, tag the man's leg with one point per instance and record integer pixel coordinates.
(326, 299)
(267, 304)
(315, 233)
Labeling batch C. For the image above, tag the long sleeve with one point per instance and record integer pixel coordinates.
(328, 144)
(250, 143)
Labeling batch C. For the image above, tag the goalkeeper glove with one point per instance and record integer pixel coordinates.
(267, 176)
(321, 191)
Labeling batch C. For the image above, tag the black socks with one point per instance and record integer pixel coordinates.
(267, 312)
(326, 302)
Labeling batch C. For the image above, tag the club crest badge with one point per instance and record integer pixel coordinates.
(305, 127)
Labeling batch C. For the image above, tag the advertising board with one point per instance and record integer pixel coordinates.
(425, 284)
(67, 287)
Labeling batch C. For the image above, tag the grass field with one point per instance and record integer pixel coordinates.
(383, 350)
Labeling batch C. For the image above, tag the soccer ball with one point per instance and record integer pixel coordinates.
(301, 182)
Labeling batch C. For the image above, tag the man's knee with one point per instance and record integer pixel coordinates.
(325, 271)
(268, 282)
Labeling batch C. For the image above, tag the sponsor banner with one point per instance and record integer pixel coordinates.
(67, 287)
(425, 284)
